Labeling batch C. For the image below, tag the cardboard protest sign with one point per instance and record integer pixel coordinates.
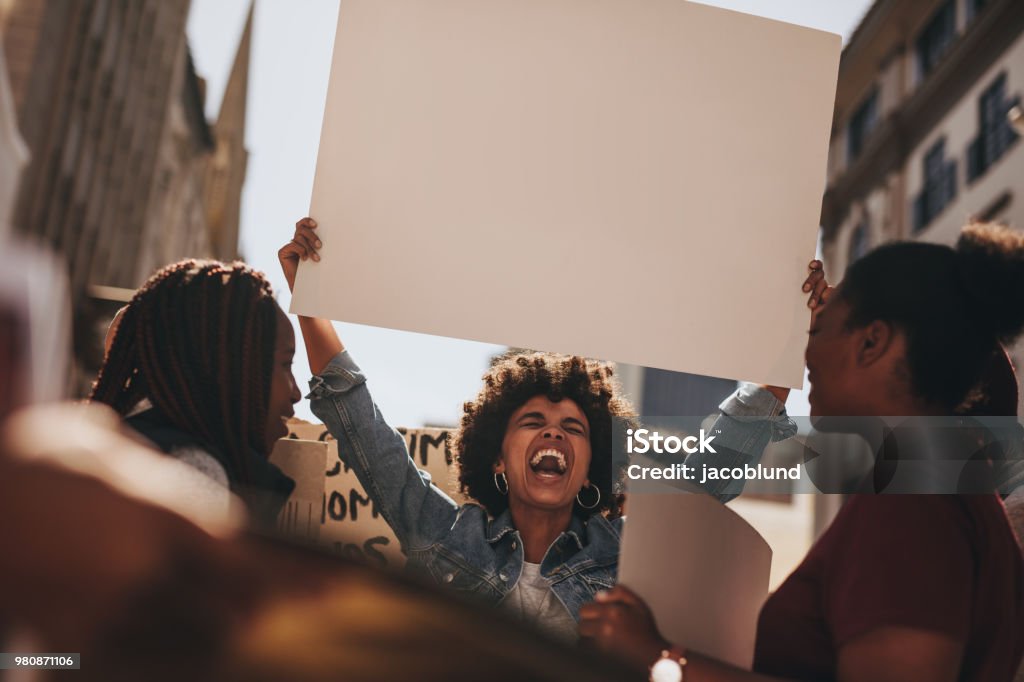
(703, 570)
(350, 523)
(305, 462)
(661, 162)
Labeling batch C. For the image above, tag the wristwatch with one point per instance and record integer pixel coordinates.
(670, 667)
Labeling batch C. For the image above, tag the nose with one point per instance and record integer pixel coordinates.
(554, 433)
(296, 395)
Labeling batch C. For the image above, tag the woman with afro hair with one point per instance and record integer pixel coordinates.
(534, 452)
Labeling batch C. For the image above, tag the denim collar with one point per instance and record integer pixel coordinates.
(577, 530)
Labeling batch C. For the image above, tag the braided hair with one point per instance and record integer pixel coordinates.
(198, 340)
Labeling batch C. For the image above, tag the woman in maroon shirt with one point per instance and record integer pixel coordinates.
(900, 587)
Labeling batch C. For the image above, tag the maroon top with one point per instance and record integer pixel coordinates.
(943, 563)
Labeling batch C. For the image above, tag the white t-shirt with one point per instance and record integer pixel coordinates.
(533, 602)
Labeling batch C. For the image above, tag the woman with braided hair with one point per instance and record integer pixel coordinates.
(541, 535)
(200, 364)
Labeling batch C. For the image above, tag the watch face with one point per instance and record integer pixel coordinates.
(666, 670)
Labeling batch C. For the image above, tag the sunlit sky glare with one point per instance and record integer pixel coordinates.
(416, 379)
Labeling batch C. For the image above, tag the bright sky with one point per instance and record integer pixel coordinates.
(416, 379)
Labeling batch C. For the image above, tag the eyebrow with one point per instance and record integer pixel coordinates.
(574, 420)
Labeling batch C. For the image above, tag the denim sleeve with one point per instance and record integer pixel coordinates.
(750, 419)
(418, 511)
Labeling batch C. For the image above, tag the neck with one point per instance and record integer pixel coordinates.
(538, 528)
(892, 410)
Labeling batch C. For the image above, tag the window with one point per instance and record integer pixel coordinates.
(939, 186)
(991, 213)
(995, 134)
(860, 242)
(861, 124)
(936, 38)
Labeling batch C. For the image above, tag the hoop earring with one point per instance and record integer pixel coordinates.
(596, 502)
(503, 480)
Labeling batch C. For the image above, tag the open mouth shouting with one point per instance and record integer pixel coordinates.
(549, 463)
(546, 453)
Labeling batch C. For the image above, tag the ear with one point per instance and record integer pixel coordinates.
(499, 466)
(875, 343)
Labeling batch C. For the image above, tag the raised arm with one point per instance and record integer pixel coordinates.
(751, 418)
(322, 342)
(418, 512)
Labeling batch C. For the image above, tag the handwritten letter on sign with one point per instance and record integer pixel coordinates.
(663, 159)
(350, 523)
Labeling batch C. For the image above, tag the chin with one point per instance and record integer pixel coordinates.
(828, 423)
(818, 410)
(835, 417)
(551, 504)
(276, 435)
(819, 423)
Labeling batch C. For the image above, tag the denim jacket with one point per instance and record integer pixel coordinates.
(460, 546)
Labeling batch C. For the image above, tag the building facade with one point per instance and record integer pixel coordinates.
(923, 137)
(118, 182)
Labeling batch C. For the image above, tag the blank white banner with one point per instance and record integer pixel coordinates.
(632, 180)
(701, 568)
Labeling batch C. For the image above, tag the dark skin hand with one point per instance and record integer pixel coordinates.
(816, 285)
(620, 622)
(819, 292)
(305, 245)
(322, 342)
